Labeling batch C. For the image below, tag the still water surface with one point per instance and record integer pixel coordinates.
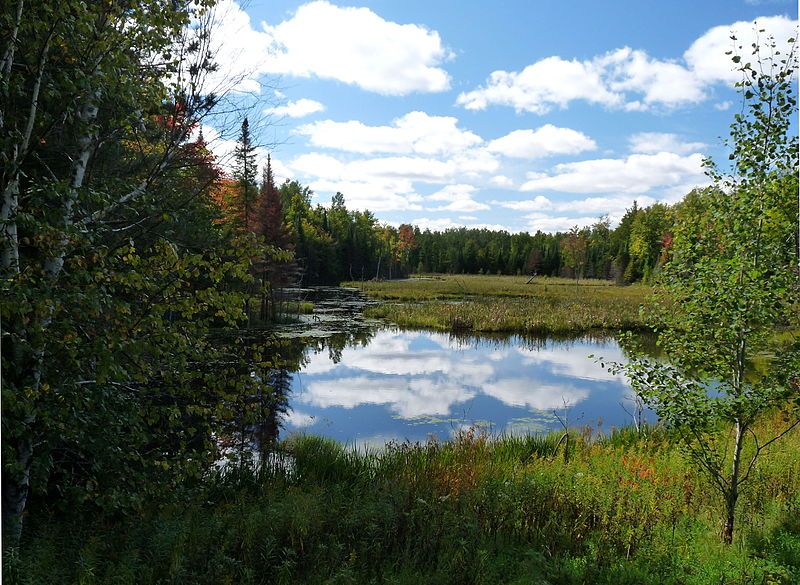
(411, 385)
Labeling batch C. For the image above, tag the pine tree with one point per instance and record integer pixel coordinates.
(245, 174)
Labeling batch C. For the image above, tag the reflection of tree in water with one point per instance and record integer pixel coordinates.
(258, 368)
(258, 373)
(336, 344)
(645, 341)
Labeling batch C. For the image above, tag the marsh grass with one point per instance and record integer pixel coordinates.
(626, 508)
(296, 307)
(507, 304)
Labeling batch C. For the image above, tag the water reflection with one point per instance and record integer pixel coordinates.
(400, 385)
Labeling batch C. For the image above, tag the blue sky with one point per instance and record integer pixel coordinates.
(514, 115)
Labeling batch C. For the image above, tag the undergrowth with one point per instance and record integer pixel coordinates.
(625, 508)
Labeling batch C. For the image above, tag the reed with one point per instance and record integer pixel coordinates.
(624, 508)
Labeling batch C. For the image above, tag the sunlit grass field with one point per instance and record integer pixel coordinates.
(624, 509)
(506, 303)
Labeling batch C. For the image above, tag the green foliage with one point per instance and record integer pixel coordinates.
(333, 244)
(474, 510)
(245, 173)
(731, 280)
(115, 268)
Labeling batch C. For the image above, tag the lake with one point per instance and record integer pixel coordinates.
(398, 385)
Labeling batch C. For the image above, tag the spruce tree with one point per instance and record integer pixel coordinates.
(245, 172)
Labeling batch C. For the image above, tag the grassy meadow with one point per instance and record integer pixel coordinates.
(623, 509)
(506, 304)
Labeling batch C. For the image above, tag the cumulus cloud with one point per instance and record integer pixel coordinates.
(458, 198)
(446, 223)
(547, 140)
(637, 173)
(626, 78)
(551, 224)
(355, 46)
(653, 142)
(502, 181)
(658, 82)
(387, 183)
(541, 86)
(407, 398)
(375, 195)
(410, 168)
(413, 133)
(297, 109)
(553, 216)
(538, 203)
(707, 58)
(297, 419)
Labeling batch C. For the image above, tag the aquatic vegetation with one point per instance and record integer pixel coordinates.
(508, 303)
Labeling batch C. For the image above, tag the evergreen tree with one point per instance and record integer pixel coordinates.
(268, 217)
(245, 172)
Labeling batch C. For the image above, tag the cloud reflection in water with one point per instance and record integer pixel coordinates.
(416, 374)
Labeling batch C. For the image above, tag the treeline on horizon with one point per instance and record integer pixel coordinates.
(331, 244)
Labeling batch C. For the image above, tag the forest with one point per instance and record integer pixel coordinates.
(140, 279)
(331, 244)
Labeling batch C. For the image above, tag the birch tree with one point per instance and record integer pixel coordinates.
(98, 100)
(731, 281)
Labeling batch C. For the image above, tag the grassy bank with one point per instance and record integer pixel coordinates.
(627, 509)
(507, 303)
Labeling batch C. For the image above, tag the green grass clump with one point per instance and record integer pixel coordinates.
(508, 304)
(626, 508)
(296, 307)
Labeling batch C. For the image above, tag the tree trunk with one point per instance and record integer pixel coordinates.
(15, 494)
(732, 494)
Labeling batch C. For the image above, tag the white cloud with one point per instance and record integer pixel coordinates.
(223, 148)
(538, 203)
(575, 364)
(358, 47)
(723, 106)
(458, 198)
(707, 56)
(351, 45)
(375, 196)
(408, 398)
(541, 86)
(502, 181)
(445, 223)
(664, 83)
(545, 141)
(613, 207)
(239, 50)
(548, 224)
(297, 109)
(627, 78)
(387, 183)
(654, 142)
(637, 173)
(413, 133)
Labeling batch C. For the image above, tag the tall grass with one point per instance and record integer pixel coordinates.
(508, 304)
(461, 286)
(626, 508)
